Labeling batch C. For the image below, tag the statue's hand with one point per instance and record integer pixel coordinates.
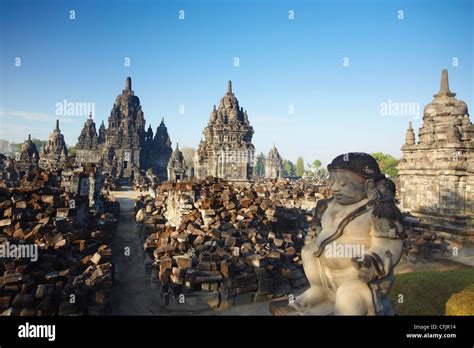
(365, 268)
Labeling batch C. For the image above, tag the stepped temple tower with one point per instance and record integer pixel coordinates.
(55, 150)
(273, 164)
(226, 151)
(125, 134)
(88, 147)
(28, 154)
(437, 172)
(124, 148)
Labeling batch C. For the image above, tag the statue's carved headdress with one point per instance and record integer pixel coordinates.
(358, 163)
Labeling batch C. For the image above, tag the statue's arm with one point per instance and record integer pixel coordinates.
(386, 244)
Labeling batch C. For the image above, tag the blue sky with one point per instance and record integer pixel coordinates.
(284, 64)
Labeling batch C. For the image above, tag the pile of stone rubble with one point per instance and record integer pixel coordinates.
(55, 254)
(145, 181)
(218, 244)
(111, 184)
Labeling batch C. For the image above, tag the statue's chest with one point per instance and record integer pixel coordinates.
(357, 229)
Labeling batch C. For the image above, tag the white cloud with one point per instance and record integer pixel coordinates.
(24, 115)
(18, 133)
(32, 116)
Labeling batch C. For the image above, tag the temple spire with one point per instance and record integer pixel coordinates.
(410, 135)
(229, 87)
(57, 124)
(444, 86)
(177, 147)
(90, 115)
(29, 137)
(128, 84)
(163, 120)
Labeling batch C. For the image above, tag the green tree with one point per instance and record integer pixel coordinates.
(313, 167)
(39, 143)
(14, 147)
(259, 169)
(299, 166)
(288, 168)
(324, 172)
(387, 163)
(71, 150)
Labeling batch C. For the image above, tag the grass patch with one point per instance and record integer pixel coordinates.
(426, 293)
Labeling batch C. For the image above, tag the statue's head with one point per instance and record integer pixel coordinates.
(353, 177)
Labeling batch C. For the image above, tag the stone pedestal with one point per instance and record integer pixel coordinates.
(282, 307)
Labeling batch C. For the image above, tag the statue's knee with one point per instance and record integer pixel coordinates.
(351, 299)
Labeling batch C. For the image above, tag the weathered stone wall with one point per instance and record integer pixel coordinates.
(87, 156)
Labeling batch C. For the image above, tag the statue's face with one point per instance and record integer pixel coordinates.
(348, 188)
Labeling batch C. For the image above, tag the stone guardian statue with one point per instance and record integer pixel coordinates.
(349, 264)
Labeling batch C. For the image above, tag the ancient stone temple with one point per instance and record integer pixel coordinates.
(176, 166)
(28, 154)
(273, 164)
(88, 147)
(128, 147)
(55, 151)
(437, 172)
(226, 151)
(125, 134)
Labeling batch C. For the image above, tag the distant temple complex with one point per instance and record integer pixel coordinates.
(437, 172)
(124, 148)
(226, 151)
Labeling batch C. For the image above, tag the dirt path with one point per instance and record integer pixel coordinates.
(132, 292)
